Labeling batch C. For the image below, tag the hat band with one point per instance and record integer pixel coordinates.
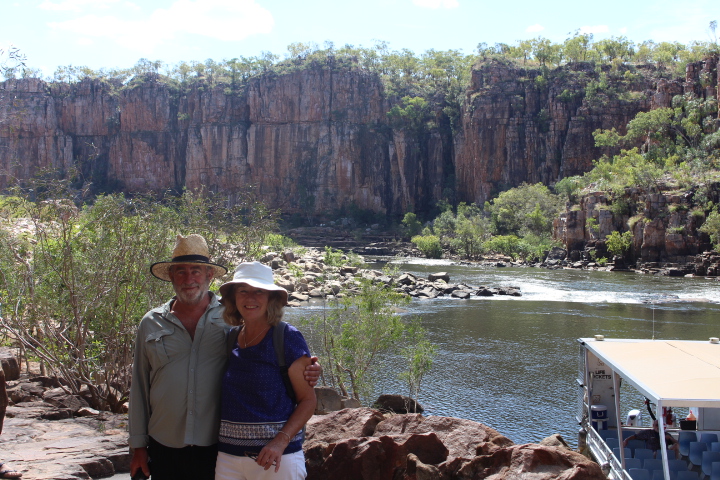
(191, 258)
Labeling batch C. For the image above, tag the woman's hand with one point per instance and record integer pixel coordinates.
(272, 453)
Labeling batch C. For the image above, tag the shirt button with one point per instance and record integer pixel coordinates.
(190, 412)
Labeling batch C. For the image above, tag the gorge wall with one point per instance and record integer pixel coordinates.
(318, 140)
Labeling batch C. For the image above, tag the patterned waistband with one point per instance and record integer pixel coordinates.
(252, 434)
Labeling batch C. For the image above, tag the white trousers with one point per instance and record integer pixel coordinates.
(230, 467)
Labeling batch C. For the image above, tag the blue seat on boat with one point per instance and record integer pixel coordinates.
(652, 464)
(635, 444)
(695, 454)
(715, 471)
(639, 474)
(708, 437)
(616, 452)
(643, 453)
(688, 475)
(605, 434)
(633, 463)
(684, 439)
(714, 447)
(708, 458)
(612, 443)
(677, 465)
(660, 475)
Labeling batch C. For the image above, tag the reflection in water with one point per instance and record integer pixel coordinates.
(511, 362)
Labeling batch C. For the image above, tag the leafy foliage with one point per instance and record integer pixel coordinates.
(524, 209)
(411, 224)
(429, 245)
(712, 228)
(73, 287)
(619, 243)
(358, 334)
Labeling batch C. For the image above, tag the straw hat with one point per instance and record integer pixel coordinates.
(256, 275)
(188, 250)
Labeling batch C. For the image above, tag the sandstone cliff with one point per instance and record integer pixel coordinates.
(318, 140)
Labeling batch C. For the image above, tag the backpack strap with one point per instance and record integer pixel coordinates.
(279, 344)
(231, 339)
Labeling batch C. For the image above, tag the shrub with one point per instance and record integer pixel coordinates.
(503, 244)
(357, 334)
(429, 245)
(619, 243)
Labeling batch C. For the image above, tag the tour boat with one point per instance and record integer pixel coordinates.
(671, 375)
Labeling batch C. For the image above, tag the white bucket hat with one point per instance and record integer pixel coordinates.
(193, 250)
(256, 275)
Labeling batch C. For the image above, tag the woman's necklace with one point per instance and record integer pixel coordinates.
(255, 338)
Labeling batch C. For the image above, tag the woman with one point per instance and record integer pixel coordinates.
(261, 432)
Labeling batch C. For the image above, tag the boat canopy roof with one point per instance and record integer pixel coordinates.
(674, 373)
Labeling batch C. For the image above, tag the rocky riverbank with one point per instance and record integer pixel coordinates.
(311, 276)
(50, 435)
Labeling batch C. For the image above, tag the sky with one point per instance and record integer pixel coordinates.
(117, 33)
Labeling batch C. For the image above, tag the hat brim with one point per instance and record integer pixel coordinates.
(225, 288)
(161, 270)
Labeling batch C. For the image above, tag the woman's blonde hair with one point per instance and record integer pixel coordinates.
(232, 316)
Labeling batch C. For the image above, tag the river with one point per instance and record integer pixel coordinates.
(511, 362)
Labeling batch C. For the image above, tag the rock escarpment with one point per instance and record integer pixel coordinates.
(318, 140)
(664, 226)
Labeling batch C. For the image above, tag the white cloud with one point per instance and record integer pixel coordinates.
(75, 5)
(435, 4)
(226, 20)
(535, 28)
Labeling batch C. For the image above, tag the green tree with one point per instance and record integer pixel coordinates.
(469, 235)
(73, 291)
(575, 49)
(429, 245)
(412, 113)
(412, 224)
(712, 228)
(504, 244)
(525, 209)
(619, 243)
(358, 334)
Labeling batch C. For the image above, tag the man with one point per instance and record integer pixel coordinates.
(180, 356)
(4, 471)
(652, 439)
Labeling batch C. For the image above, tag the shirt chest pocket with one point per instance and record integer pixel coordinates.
(157, 348)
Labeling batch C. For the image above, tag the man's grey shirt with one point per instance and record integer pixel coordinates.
(176, 382)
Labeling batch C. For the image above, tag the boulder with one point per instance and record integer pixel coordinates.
(349, 423)
(433, 277)
(463, 438)
(538, 462)
(375, 457)
(328, 400)
(557, 254)
(397, 404)
(10, 365)
(413, 447)
(58, 397)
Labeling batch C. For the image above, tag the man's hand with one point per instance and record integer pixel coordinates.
(140, 462)
(312, 372)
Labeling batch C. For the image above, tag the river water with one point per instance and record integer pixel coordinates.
(512, 362)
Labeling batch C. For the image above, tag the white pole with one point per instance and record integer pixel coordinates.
(661, 432)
